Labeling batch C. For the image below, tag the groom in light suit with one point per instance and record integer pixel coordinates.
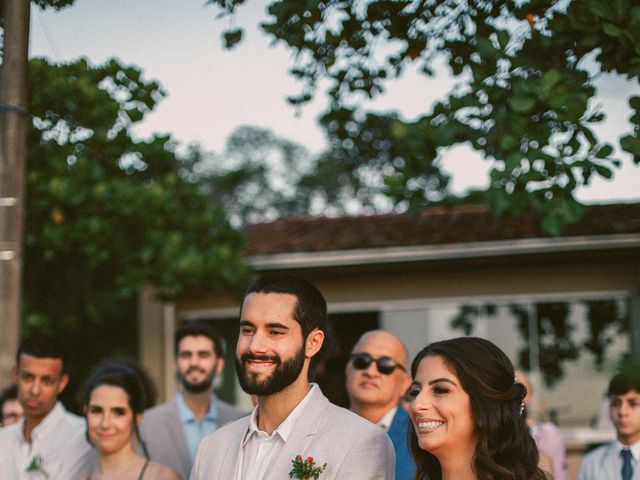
(282, 326)
(620, 459)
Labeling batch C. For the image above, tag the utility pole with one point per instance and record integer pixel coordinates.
(13, 152)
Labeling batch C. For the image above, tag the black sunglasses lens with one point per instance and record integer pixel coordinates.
(361, 362)
(386, 365)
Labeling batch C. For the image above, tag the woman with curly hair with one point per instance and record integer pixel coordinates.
(466, 413)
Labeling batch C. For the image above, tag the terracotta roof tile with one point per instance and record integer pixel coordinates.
(431, 226)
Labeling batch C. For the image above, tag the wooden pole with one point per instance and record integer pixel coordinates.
(13, 143)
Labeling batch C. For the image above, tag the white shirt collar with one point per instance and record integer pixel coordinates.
(387, 419)
(48, 425)
(285, 428)
(634, 448)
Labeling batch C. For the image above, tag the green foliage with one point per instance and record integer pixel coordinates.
(555, 343)
(232, 38)
(400, 156)
(524, 97)
(261, 177)
(43, 4)
(106, 214)
(55, 4)
(256, 178)
(631, 142)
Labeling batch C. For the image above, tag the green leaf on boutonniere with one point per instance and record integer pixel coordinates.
(36, 466)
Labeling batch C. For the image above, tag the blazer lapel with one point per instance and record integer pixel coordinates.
(398, 425)
(231, 460)
(302, 435)
(176, 431)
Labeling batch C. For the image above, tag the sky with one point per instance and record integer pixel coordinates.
(212, 91)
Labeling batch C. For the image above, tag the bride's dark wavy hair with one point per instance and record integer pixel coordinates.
(505, 449)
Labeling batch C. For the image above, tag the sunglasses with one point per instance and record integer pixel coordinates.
(385, 365)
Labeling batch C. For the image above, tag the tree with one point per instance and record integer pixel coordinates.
(256, 177)
(107, 214)
(524, 97)
(261, 177)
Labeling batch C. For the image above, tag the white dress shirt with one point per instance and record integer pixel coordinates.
(605, 462)
(386, 421)
(58, 450)
(259, 449)
(634, 448)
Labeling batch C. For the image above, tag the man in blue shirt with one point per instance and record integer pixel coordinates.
(173, 430)
(376, 379)
(619, 459)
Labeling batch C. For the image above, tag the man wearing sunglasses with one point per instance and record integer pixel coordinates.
(376, 379)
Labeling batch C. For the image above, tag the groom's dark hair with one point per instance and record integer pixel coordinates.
(311, 308)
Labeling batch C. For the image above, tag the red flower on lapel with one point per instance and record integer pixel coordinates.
(307, 469)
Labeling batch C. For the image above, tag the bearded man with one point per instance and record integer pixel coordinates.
(294, 431)
(172, 431)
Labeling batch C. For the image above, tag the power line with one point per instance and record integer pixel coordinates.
(48, 36)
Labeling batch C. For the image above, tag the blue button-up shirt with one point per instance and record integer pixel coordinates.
(195, 430)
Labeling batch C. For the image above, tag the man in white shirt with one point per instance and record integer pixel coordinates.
(48, 442)
(620, 459)
(294, 431)
(376, 378)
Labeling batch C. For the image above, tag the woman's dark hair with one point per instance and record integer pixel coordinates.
(122, 375)
(505, 449)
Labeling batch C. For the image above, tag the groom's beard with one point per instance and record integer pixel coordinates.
(283, 375)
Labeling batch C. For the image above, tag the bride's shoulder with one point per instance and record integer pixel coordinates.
(160, 472)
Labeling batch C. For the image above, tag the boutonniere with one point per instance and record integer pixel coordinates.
(305, 469)
(36, 466)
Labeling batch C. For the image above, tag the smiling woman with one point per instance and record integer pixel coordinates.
(114, 400)
(466, 414)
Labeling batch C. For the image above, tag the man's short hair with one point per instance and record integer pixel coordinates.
(626, 380)
(9, 393)
(311, 308)
(199, 329)
(42, 346)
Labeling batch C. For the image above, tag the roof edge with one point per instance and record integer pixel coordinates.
(388, 255)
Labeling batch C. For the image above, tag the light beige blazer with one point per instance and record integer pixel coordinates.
(163, 434)
(352, 447)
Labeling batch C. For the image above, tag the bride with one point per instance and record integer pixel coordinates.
(466, 414)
